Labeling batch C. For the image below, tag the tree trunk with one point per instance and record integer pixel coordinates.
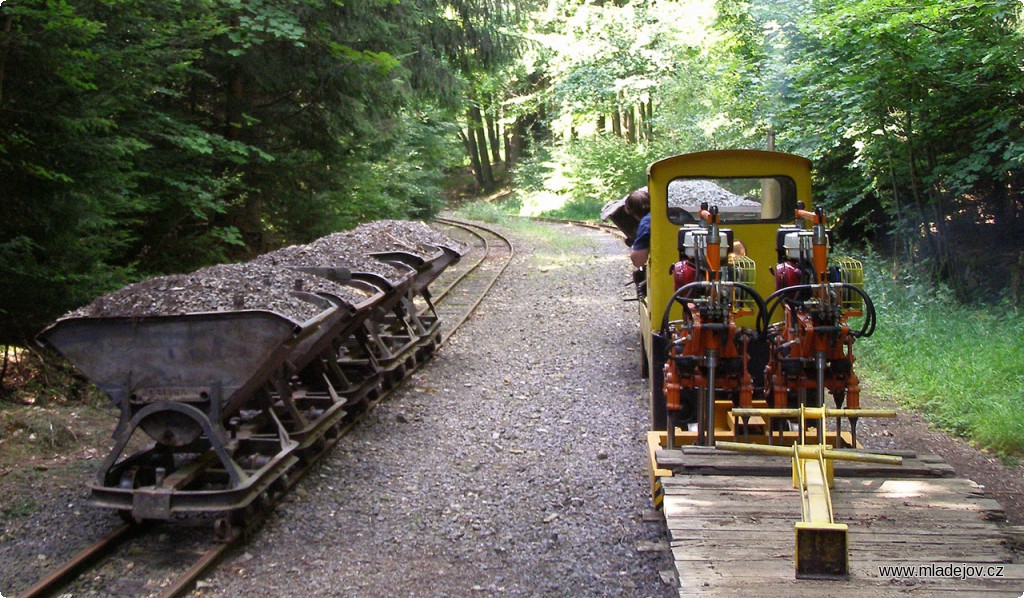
(630, 125)
(3, 371)
(650, 118)
(641, 117)
(469, 139)
(492, 135)
(518, 141)
(539, 128)
(616, 123)
(234, 96)
(508, 148)
(601, 124)
(477, 124)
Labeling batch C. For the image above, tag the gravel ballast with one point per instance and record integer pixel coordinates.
(336, 250)
(690, 194)
(512, 464)
(403, 235)
(227, 287)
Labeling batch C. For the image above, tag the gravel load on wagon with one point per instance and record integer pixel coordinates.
(403, 235)
(333, 251)
(226, 287)
(690, 194)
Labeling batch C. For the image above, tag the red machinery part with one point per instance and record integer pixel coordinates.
(683, 273)
(787, 274)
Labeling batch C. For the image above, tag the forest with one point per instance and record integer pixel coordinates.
(140, 137)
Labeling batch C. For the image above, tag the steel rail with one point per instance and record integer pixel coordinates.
(81, 561)
(91, 556)
(184, 582)
(487, 253)
(438, 296)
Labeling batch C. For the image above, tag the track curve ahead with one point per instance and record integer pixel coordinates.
(490, 255)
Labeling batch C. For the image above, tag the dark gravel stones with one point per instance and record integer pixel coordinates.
(402, 235)
(270, 283)
(333, 251)
(226, 287)
(690, 194)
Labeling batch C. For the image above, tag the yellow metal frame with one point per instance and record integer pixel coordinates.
(822, 545)
(759, 238)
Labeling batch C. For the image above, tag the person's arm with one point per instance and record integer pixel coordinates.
(642, 246)
(639, 257)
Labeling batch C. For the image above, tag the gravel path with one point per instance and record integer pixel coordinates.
(511, 464)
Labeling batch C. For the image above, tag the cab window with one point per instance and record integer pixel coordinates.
(739, 200)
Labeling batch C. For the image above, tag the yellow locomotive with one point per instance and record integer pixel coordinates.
(743, 314)
(748, 328)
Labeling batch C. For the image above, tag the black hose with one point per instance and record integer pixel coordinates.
(778, 296)
(675, 297)
(761, 323)
(866, 330)
(869, 310)
(761, 320)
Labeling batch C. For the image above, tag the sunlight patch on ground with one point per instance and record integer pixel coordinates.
(554, 195)
(536, 204)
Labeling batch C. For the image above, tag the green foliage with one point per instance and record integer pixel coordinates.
(144, 137)
(487, 211)
(908, 105)
(20, 507)
(964, 370)
(576, 179)
(608, 168)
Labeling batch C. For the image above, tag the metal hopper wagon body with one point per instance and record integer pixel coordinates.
(217, 408)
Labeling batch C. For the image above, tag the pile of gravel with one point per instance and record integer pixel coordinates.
(267, 283)
(402, 235)
(333, 251)
(683, 194)
(226, 287)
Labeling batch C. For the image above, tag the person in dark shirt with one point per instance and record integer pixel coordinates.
(638, 204)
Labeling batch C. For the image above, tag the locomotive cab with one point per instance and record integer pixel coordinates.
(754, 192)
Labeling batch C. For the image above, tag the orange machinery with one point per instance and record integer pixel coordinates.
(707, 350)
(811, 349)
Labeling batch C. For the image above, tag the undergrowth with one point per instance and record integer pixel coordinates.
(962, 366)
(573, 180)
(19, 508)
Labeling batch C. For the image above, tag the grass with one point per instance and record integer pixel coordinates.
(21, 507)
(560, 249)
(962, 366)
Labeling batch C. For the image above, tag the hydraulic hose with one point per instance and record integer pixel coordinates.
(869, 310)
(866, 330)
(762, 314)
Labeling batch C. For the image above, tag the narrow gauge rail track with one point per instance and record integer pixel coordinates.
(463, 288)
(461, 295)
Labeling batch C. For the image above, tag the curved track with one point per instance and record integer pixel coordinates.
(460, 297)
(462, 288)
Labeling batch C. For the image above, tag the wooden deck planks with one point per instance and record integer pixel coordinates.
(731, 528)
(708, 463)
